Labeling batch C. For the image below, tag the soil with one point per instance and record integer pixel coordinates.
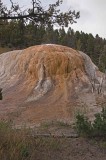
(73, 149)
(58, 147)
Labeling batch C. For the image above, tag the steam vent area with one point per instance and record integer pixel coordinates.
(49, 82)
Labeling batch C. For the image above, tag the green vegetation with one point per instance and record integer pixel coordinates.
(97, 128)
(21, 27)
(22, 145)
(13, 37)
(35, 29)
(38, 14)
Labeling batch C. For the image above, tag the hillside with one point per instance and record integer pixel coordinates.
(48, 82)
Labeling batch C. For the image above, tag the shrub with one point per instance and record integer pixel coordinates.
(96, 128)
(83, 125)
(99, 124)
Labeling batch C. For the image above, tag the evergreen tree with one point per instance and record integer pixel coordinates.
(62, 36)
(90, 45)
(98, 47)
(102, 59)
(78, 44)
(38, 14)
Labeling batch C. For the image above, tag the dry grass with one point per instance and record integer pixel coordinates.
(21, 145)
(5, 49)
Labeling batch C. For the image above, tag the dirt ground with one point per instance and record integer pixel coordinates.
(50, 141)
(73, 149)
(66, 148)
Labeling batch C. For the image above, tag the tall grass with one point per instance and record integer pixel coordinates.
(20, 144)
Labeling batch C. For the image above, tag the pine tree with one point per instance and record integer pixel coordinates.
(90, 45)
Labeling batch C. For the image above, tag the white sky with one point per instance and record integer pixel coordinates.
(92, 14)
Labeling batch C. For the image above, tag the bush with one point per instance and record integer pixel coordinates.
(83, 125)
(99, 124)
(96, 128)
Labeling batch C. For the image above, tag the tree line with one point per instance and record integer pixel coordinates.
(16, 34)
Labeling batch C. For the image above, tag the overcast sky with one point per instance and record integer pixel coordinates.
(92, 14)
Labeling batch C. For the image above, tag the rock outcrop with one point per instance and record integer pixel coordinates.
(47, 82)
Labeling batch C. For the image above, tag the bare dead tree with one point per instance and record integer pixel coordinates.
(99, 89)
(92, 82)
(97, 86)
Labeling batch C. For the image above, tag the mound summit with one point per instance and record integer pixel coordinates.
(46, 82)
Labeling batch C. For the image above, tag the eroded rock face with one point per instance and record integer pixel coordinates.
(45, 82)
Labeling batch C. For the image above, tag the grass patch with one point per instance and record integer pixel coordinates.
(19, 144)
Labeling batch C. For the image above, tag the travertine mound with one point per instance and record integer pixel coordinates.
(46, 82)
